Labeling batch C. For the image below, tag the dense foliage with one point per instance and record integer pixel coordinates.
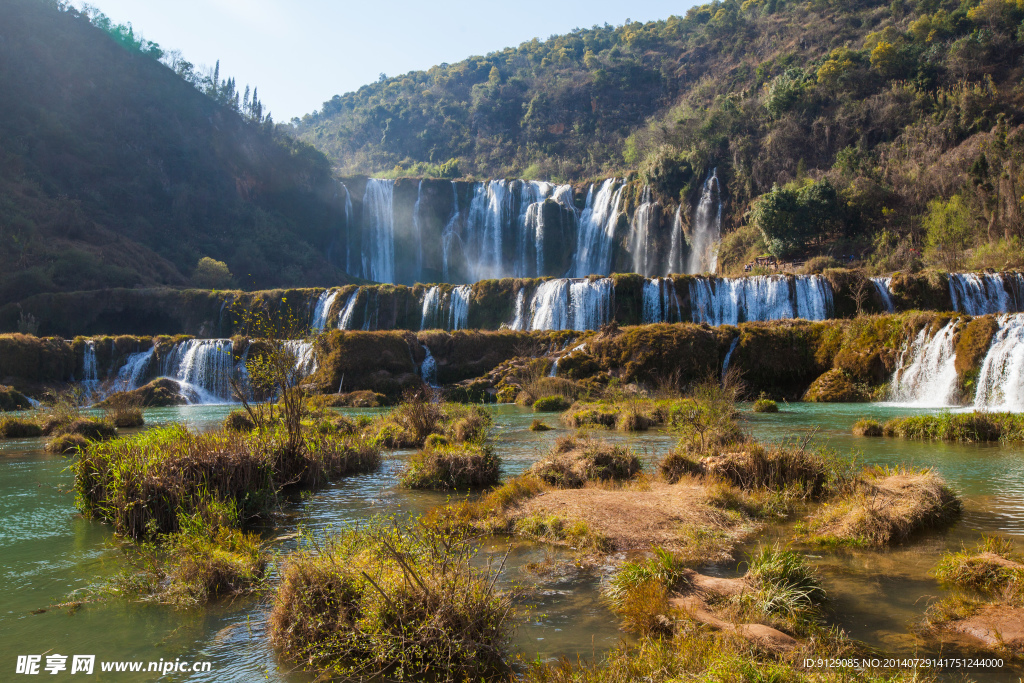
(117, 171)
(896, 126)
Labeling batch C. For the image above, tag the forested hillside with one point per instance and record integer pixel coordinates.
(836, 128)
(116, 171)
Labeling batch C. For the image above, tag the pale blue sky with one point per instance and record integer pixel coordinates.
(303, 52)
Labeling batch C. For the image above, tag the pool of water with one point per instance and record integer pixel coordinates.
(49, 551)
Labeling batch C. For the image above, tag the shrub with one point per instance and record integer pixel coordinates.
(396, 601)
(127, 418)
(91, 428)
(12, 399)
(575, 460)
(414, 420)
(551, 404)
(19, 428)
(866, 427)
(444, 466)
(239, 421)
(538, 426)
(765, 405)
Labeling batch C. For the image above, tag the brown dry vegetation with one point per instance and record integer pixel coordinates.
(884, 506)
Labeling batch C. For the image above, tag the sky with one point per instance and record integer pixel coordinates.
(300, 53)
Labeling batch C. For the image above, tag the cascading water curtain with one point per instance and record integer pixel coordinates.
(378, 261)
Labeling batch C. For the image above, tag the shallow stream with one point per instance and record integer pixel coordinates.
(49, 551)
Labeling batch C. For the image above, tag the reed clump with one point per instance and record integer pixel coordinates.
(627, 414)
(141, 484)
(239, 421)
(866, 427)
(811, 473)
(395, 602)
(640, 589)
(539, 426)
(576, 460)
(974, 427)
(884, 506)
(410, 423)
(442, 467)
(20, 428)
(765, 405)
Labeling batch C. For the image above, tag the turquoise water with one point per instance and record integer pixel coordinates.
(49, 551)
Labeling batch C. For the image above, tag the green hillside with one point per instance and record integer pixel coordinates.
(862, 113)
(116, 172)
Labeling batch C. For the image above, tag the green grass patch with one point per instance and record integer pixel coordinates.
(959, 427)
(452, 466)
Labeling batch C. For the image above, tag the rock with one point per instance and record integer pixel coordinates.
(995, 626)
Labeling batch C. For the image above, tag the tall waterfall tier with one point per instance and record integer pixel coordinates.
(406, 231)
(728, 301)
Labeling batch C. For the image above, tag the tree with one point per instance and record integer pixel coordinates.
(212, 274)
(789, 218)
(949, 228)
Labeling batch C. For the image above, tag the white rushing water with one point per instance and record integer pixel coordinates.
(378, 257)
(982, 293)
(323, 308)
(449, 311)
(428, 368)
(1001, 380)
(707, 228)
(90, 372)
(203, 367)
(675, 254)
(565, 304)
(728, 301)
(882, 286)
(926, 372)
(134, 370)
(661, 305)
(728, 356)
(596, 235)
(640, 235)
(345, 316)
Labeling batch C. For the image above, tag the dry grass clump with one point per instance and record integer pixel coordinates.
(576, 460)
(961, 427)
(538, 426)
(640, 589)
(20, 428)
(993, 567)
(67, 444)
(452, 466)
(884, 506)
(141, 483)
(393, 602)
(676, 465)
(811, 473)
(630, 414)
(124, 409)
(410, 423)
(866, 427)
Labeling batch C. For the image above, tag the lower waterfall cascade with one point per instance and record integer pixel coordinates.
(926, 373)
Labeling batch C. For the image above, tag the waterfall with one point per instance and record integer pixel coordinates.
(728, 356)
(370, 317)
(926, 375)
(519, 315)
(596, 234)
(323, 309)
(134, 370)
(983, 293)
(349, 232)
(675, 254)
(488, 214)
(203, 367)
(882, 284)
(707, 228)
(458, 307)
(379, 231)
(728, 301)
(445, 311)
(345, 317)
(660, 301)
(450, 235)
(305, 357)
(640, 235)
(90, 372)
(1001, 380)
(563, 304)
(428, 368)
(554, 369)
(417, 230)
